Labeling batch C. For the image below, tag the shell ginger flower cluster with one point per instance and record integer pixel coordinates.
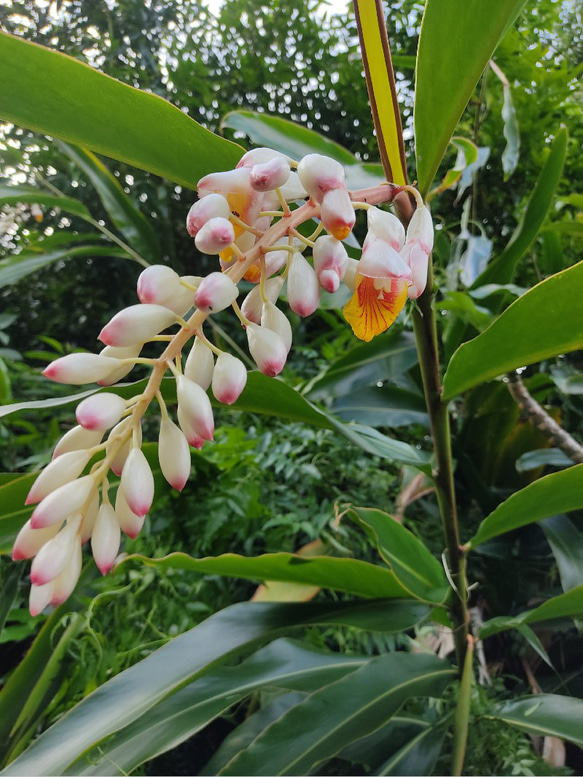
(99, 483)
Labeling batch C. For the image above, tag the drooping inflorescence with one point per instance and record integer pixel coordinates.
(250, 218)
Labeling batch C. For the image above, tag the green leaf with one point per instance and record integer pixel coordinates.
(511, 133)
(502, 269)
(11, 195)
(408, 557)
(544, 714)
(568, 384)
(467, 155)
(8, 591)
(385, 358)
(382, 406)
(567, 546)
(100, 113)
(341, 574)
(419, 755)
(20, 265)
(5, 383)
(296, 141)
(543, 457)
(340, 713)
(130, 221)
(543, 322)
(556, 493)
(455, 45)
(135, 691)
(282, 664)
(566, 605)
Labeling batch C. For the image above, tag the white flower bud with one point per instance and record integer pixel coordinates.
(130, 523)
(29, 541)
(89, 517)
(330, 262)
(229, 378)
(53, 557)
(62, 502)
(273, 318)
(77, 439)
(337, 213)
(235, 185)
(385, 226)
(100, 411)
(124, 428)
(319, 174)
(61, 470)
(293, 189)
(417, 260)
(127, 352)
(160, 285)
(379, 260)
(39, 598)
(105, 538)
(136, 324)
(173, 454)
(253, 303)
(259, 156)
(421, 228)
(216, 235)
(192, 437)
(194, 403)
(209, 207)
(267, 348)
(65, 583)
(269, 175)
(81, 368)
(303, 290)
(137, 482)
(216, 292)
(200, 364)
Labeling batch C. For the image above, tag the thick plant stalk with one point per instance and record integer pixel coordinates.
(462, 714)
(542, 420)
(425, 328)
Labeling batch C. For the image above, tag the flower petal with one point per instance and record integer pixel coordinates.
(374, 305)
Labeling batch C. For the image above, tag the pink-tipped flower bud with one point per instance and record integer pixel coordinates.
(128, 352)
(105, 538)
(229, 378)
(77, 439)
(216, 235)
(417, 260)
(303, 289)
(259, 156)
(130, 523)
(268, 176)
(64, 584)
(160, 285)
(385, 226)
(200, 364)
(100, 411)
(216, 292)
(89, 517)
(81, 368)
(39, 598)
(210, 207)
(185, 423)
(29, 541)
(421, 228)
(330, 262)
(61, 470)
(235, 185)
(267, 348)
(124, 429)
(173, 454)
(63, 502)
(253, 302)
(379, 260)
(273, 318)
(320, 174)
(194, 403)
(337, 213)
(136, 324)
(53, 557)
(137, 482)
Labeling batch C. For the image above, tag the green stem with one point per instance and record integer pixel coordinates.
(462, 714)
(425, 328)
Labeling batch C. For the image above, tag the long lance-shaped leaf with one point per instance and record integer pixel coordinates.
(544, 322)
(340, 713)
(341, 574)
(554, 494)
(455, 45)
(57, 95)
(380, 82)
(135, 691)
(567, 605)
(282, 664)
(11, 195)
(544, 714)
